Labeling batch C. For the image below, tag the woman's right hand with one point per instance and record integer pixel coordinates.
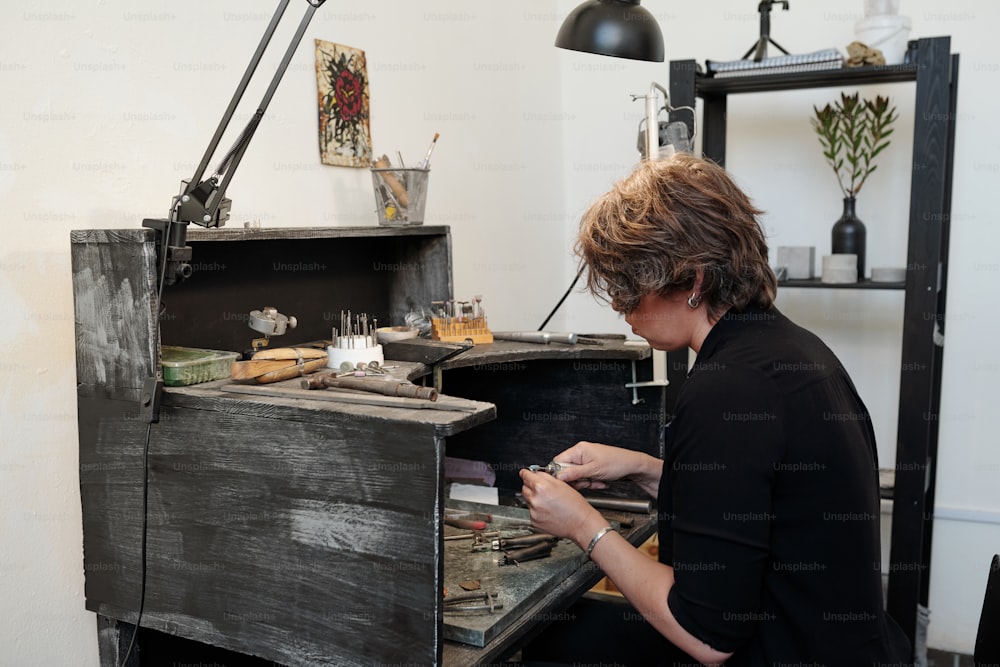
(597, 464)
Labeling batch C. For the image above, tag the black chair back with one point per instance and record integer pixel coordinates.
(987, 650)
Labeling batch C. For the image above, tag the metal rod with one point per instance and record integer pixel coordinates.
(622, 504)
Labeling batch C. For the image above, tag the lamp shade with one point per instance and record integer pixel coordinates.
(620, 28)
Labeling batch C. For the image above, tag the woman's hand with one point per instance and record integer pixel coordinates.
(558, 509)
(596, 465)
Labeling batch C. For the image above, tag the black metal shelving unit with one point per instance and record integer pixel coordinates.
(934, 70)
(866, 284)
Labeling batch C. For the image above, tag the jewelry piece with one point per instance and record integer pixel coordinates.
(694, 300)
(593, 543)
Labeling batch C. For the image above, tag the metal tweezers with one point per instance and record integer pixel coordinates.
(468, 602)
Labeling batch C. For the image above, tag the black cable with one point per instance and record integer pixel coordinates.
(145, 517)
(145, 467)
(564, 296)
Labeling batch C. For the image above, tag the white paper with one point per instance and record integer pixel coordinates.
(486, 495)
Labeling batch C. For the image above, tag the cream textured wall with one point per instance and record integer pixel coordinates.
(108, 105)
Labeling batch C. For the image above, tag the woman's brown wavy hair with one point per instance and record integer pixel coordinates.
(652, 232)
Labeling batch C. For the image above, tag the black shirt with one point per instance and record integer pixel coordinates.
(769, 503)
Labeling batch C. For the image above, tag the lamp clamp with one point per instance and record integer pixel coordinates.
(658, 133)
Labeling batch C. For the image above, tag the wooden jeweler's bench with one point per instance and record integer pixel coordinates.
(299, 529)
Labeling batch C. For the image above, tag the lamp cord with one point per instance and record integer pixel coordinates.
(145, 471)
(145, 517)
(564, 296)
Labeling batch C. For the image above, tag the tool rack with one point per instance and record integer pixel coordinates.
(299, 530)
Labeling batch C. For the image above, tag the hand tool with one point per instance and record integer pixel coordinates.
(505, 543)
(355, 332)
(448, 404)
(390, 179)
(546, 337)
(552, 467)
(384, 387)
(281, 363)
(285, 353)
(249, 370)
(474, 536)
(474, 516)
(518, 556)
(621, 504)
(292, 371)
(460, 322)
(468, 524)
(270, 323)
(483, 541)
(543, 337)
(467, 602)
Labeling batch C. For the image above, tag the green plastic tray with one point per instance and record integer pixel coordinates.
(188, 365)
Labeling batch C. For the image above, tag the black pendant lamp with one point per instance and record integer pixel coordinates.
(619, 28)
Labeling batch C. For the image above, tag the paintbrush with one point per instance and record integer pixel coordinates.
(427, 158)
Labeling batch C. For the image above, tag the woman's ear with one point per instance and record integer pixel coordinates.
(699, 278)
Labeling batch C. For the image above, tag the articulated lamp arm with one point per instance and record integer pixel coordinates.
(202, 200)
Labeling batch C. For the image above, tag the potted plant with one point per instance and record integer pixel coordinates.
(852, 133)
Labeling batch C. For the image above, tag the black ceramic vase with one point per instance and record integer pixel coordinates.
(849, 236)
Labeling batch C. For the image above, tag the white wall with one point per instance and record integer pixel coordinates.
(109, 105)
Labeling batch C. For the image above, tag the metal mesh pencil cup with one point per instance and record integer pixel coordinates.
(400, 195)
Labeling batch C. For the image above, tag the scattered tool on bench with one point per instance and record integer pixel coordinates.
(468, 524)
(498, 543)
(475, 536)
(280, 363)
(518, 556)
(481, 601)
(270, 322)
(546, 337)
(635, 505)
(378, 386)
(505, 543)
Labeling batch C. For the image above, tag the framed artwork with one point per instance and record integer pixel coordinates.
(344, 122)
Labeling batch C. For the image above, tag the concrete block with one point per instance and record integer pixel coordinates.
(797, 260)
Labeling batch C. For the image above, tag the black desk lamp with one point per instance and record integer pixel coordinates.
(203, 202)
(619, 28)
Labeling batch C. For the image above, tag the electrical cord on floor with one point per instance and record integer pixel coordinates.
(564, 297)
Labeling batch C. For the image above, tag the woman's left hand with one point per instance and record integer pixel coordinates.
(559, 509)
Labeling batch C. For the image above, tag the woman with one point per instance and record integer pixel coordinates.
(768, 494)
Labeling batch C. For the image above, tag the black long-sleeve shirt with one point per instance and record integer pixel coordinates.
(769, 503)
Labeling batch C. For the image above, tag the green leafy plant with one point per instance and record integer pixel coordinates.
(852, 133)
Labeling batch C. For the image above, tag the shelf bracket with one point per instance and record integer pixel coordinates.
(634, 385)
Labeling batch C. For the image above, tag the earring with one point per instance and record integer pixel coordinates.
(694, 300)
